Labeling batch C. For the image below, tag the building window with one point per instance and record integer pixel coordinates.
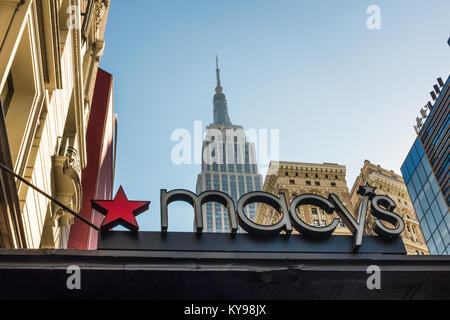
(7, 94)
(313, 210)
(257, 183)
(308, 183)
(208, 181)
(322, 223)
(286, 174)
(316, 223)
(225, 183)
(296, 174)
(333, 184)
(317, 183)
(216, 181)
(249, 182)
(292, 181)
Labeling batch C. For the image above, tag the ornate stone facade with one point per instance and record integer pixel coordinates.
(391, 184)
(296, 178)
(49, 55)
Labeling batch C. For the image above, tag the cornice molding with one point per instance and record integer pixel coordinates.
(79, 91)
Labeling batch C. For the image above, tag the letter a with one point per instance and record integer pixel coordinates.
(374, 20)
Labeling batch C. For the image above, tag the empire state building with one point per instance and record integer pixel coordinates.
(228, 164)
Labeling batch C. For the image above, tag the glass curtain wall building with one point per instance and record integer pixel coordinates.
(426, 174)
(228, 165)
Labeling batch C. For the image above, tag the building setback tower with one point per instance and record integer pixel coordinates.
(228, 164)
(391, 184)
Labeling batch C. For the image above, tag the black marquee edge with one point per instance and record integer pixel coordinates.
(224, 242)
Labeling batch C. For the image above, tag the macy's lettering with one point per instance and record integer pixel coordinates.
(382, 209)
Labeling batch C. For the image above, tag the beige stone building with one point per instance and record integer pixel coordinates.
(391, 184)
(296, 178)
(49, 55)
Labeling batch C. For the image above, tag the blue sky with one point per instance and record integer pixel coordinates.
(337, 91)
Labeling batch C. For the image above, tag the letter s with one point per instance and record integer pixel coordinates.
(386, 215)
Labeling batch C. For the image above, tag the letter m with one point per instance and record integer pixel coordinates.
(197, 201)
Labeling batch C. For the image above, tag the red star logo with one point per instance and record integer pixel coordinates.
(120, 211)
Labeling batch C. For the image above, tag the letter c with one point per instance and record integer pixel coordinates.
(305, 228)
(278, 203)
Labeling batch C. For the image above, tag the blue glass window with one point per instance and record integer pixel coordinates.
(431, 246)
(438, 242)
(425, 230)
(426, 166)
(436, 212)
(444, 233)
(431, 222)
(423, 201)
(421, 173)
(419, 148)
(409, 164)
(446, 222)
(416, 182)
(414, 157)
(405, 173)
(412, 190)
(428, 192)
(442, 204)
(433, 184)
(418, 209)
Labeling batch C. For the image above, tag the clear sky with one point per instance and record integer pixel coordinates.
(337, 91)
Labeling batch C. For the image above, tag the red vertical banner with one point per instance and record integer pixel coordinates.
(98, 175)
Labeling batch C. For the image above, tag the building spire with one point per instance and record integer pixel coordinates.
(218, 87)
(220, 103)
